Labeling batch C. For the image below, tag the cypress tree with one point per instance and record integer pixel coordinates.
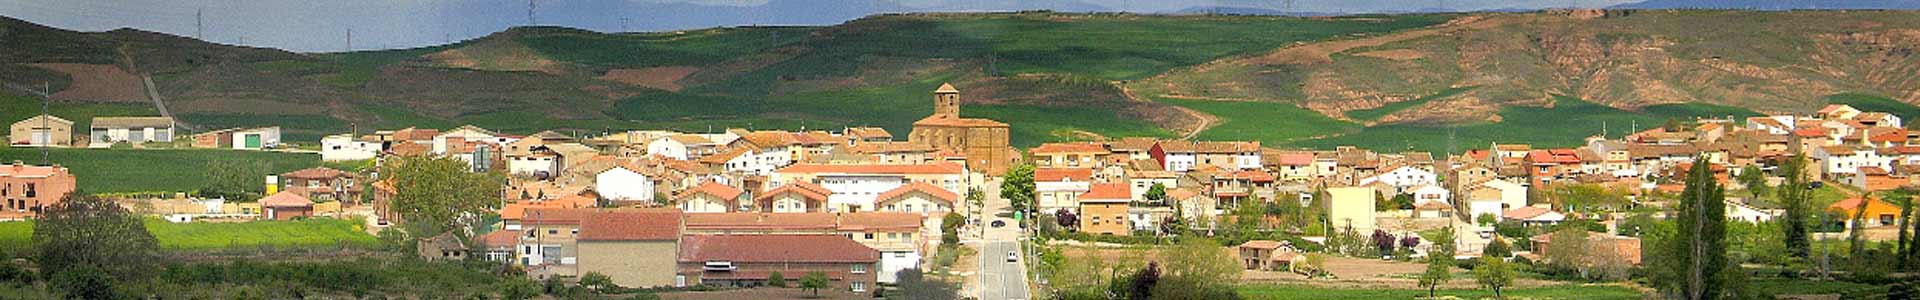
(1794, 194)
(1699, 245)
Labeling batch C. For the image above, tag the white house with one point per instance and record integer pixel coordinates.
(1403, 179)
(1533, 215)
(1848, 159)
(1056, 189)
(536, 162)
(688, 146)
(1479, 208)
(342, 147)
(107, 131)
(1142, 181)
(1431, 193)
(624, 183)
(469, 134)
(256, 138)
(856, 187)
(1749, 214)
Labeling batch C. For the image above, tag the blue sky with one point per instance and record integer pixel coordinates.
(322, 25)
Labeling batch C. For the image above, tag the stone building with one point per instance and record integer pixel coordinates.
(983, 141)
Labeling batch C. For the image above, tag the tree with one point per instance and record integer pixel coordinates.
(84, 282)
(1903, 196)
(83, 231)
(1203, 271)
(813, 282)
(1588, 198)
(1493, 274)
(518, 289)
(1439, 260)
(1567, 250)
(1699, 246)
(1753, 179)
(950, 228)
(1486, 219)
(1403, 201)
(1383, 241)
(437, 194)
(1141, 285)
(235, 179)
(1066, 219)
(1795, 196)
(1498, 248)
(775, 279)
(1856, 223)
(915, 285)
(598, 283)
(1017, 187)
(1156, 193)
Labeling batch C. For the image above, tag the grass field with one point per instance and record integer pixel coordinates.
(310, 233)
(1271, 123)
(1566, 124)
(15, 107)
(119, 170)
(1568, 292)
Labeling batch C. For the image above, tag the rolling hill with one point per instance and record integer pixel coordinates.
(1381, 81)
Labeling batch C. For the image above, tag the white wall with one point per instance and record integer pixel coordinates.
(621, 184)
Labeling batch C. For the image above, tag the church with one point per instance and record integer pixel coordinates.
(983, 141)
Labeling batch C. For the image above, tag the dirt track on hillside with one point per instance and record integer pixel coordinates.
(665, 78)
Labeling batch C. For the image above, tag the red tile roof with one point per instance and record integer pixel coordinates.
(931, 190)
(285, 199)
(316, 173)
(1106, 192)
(631, 225)
(21, 170)
(805, 189)
(1053, 148)
(933, 168)
(716, 189)
(1248, 175)
(1062, 174)
(790, 249)
(1810, 132)
(760, 221)
(880, 221)
(500, 239)
(1296, 158)
(553, 215)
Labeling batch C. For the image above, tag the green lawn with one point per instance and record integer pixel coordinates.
(1271, 123)
(1769, 287)
(1298, 292)
(654, 49)
(1567, 124)
(1390, 108)
(314, 233)
(177, 170)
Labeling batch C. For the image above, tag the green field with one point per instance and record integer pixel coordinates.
(1567, 124)
(15, 107)
(157, 170)
(1568, 292)
(310, 233)
(1273, 124)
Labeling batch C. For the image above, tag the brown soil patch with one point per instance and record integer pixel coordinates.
(1372, 273)
(97, 83)
(1319, 52)
(665, 78)
(1395, 54)
(497, 58)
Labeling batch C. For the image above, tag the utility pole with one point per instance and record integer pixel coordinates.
(199, 24)
(45, 97)
(349, 39)
(530, 7)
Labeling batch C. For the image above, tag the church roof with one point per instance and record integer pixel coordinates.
(958, 122)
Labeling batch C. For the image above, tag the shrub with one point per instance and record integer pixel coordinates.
(598, 283)
(776, 280)
(84, 282)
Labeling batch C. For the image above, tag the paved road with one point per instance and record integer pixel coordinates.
(1000, 279)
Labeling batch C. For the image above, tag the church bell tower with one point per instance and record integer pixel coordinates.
(946, 102)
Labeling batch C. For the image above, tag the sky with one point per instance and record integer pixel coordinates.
(324, 25)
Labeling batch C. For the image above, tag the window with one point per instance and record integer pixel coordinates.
(869, 235)
(553, 231)
(859, 269)
(31, 190)
(859, 286)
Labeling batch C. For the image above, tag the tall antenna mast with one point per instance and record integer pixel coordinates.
(530, 7)
(349, 39)
(45, 96)
(199, 27)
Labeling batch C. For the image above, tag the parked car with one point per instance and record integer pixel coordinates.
(1013, 257)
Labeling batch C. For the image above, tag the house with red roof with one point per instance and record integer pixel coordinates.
(285, 206)
(324, 184)
(1294, 166)
(1060, 188)
(855, 187)
(793, 197)
(1068, 155)
(710, 197)
(748, 260)
(920, 198)
(634, 248)
(1104, 209)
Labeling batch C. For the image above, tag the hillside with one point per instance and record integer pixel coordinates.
(1424, 81)
(1492, 71)
(1050, 75)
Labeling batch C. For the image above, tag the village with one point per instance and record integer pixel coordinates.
(739, 209)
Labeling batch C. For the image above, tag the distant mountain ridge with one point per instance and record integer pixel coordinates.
(1772, 4)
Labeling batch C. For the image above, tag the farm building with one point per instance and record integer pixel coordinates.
(41, 131)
